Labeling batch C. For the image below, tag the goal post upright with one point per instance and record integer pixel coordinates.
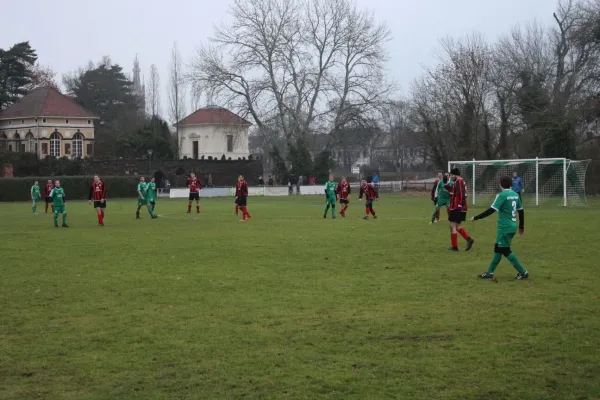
(564, 182)
(537, 181)
(474, 161)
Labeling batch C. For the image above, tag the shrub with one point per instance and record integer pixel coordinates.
(223, 158)
(76, 187)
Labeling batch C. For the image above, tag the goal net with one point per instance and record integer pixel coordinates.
(555, 181)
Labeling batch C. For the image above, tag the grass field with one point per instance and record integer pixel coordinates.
(291, 306)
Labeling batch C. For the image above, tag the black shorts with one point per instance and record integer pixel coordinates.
(344, 201)
(99, 204)
(48, 200)
(194, 196)
(241, 201)
(457, 216)
(369, 203)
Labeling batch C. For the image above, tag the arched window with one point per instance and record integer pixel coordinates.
(30, 142)
(17, 141)
(77, 145)
(55, 139)
(2, 142)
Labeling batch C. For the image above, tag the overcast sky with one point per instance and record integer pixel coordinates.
(68, 33)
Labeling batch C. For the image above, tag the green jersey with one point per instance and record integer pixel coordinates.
(443, 194)
(507, 204)
(330, 189)
(143, 189)
(151, 187)
(35, 191)
(58, 197)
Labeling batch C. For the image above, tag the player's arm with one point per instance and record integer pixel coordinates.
(360, 194)
(484, 214)
(433, 190)
(140, 192)
(103, 197)
(91, 194)
(521, 221)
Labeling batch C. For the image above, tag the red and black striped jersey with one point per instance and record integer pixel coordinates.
(97, 191)
(241, 189)
(458, 197)
(343, 190)
(194, 185)
(49, 187)
(369, 191)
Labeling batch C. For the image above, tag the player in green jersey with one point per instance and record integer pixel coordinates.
(442, 197)
(58, 201)
(142, 189)
(508, 205)
(35, 196)
(152, 193)
(330, 197)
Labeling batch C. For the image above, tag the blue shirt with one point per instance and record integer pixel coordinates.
(376, 179)
(517, 184)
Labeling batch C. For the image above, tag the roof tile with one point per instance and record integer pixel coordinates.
(46, 102)
(220, 116)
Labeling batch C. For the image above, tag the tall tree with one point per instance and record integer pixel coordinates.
(16, 76)
(153, 92)
(42, 75)
(104, 90)
(176, 93)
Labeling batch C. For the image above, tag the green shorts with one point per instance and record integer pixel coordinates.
(60, 209)
(143, 202)
(443, 203)
(504, 239)
(331, 200)
(36, 199)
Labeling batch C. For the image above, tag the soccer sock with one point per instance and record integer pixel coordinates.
(326, 209)
(454, 239)
(55, 219)
(245, 212)
(189, 207)
(464, 234)
(367, 211)
(64, 219)
(137, 212)
(333, 210)
(150, 211)
(434, 215)
(32, 208)
(237, 209)
(514, 260)
(100, 218)
(437, 214)
(46, 207)
(494, 263)
(372, 211)
(197, 208)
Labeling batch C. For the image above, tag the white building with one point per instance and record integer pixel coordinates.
(213, 132)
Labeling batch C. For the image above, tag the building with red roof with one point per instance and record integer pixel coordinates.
(48, 123)
(213, 132)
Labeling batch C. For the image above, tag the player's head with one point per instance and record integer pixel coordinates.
(57, 184)
(330, 177)
(343, 179)
(96, 178)
(142, 179)
(363, 182)
(153, 179)
(240, 177)
(35, 183)
(454, 173)
(440, 175)
(515, 174)
(506, 182)
(50, 181)
(192, 175)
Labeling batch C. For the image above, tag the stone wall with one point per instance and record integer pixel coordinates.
(224, 173)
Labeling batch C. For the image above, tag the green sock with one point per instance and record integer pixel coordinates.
(326, 209)
(434, 215)
(64, 219)
(33, 209)
(153, 205)
(494, 263)
(333, 210)
(55, 218)
(514, 260)
(150, 211)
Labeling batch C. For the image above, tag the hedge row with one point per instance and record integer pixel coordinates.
(76, 187)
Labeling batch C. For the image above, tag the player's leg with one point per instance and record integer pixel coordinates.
(371, 209)
(197, 197)
(33, 206)
(333, 201)
(453, 232)
(64, 217)
(140, 203)
(512, 257)
(153, 204)
(246, 208)
(149, 208)
(55, 217)
(436, 214)
(326, 207)
(47, 203)
(494, 263)
(463, 232)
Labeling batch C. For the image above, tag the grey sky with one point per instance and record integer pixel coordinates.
(67, 34)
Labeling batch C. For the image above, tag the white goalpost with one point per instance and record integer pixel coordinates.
(558, 181)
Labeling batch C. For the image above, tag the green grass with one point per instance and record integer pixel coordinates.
(291, 306)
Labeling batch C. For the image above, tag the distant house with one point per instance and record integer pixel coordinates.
(213, 132)
(48, 123)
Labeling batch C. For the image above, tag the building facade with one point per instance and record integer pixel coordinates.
(47, 123)
(213, 132)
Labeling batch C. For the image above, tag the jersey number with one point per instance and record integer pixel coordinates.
(514, 211)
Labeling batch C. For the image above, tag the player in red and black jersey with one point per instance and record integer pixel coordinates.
(241, 198)
(343, 191)
(458, 210)
(368, 189)
(49, 187)
(194, 184)
(98, 195)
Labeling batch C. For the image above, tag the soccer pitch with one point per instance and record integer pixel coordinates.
(292, 306)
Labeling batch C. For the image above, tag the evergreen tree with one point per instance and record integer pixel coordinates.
(16, 65)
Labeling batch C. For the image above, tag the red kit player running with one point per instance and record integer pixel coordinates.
(343, 191)
(49, 187)
(368, 189)
(194, 184)
(458, 210)
(98, 195)
(241, 198)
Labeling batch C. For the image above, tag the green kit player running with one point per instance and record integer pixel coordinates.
(152, 193)
(57, 194)
(35, 196)
(330, 197)
(142, 189)
(508, 205)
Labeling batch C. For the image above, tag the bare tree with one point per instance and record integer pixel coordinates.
(153, 92)
(296, 66)
(176, 92)
(42, 76)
